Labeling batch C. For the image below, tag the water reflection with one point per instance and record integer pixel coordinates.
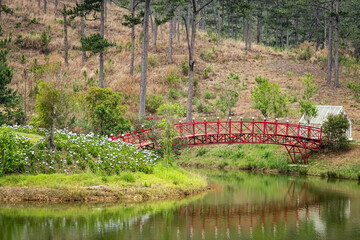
(243, 205)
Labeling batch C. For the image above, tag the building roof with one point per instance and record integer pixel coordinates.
(323, 112)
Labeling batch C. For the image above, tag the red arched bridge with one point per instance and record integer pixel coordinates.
(297, 138)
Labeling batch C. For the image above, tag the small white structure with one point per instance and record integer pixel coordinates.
(322, 114)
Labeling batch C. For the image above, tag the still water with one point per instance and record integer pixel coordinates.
(241, 206)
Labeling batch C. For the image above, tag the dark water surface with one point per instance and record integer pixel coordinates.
(242, 206)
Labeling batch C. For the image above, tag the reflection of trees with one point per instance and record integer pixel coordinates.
(247, 206)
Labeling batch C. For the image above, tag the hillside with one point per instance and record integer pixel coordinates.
(282, 67)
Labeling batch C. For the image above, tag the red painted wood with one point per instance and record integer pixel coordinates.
(297, 138)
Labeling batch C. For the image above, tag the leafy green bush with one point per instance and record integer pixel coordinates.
(172, 109)
(153, 60)
(334, 132)
(208, 55)
(201, 151)
(184, 65)
(45, 40)
(128, 177)
(355, 89)
(106, 111)
(12, 152)
(76, 153)
(173, 93)
(173, 79)
(306, 54)
(209, 95)
(269, 98)
(153, 102)
(203, 108)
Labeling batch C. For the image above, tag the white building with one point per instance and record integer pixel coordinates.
(322, 114)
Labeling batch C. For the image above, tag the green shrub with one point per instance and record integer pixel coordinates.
(12, 152)
(306, 54)
(128, 177)
(223, 152)
(18, 25)
(153, 60)
(173, 79)
(184, 65)
(45, 40)
(106, 111)
(201, 151)
(22, 59)
(334, 132)
(208, 55)
(153, 102)
(240, 153)
(203, 108)
(355, 89)
(173, 93)
(209, 95)
(138, 69)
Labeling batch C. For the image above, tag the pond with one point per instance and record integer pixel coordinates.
(241, 206)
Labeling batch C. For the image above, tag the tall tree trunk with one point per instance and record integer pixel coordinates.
(325, 26)
(153, 29)
(287, 34)
(144, 59)
(105, 9)
(45, 3)
(66, 48)
(170, 50)
(56, 5)
(102, 30)
(218, 23)
(337, 63)
(161, 33)
(246, 34)
(258, 35)
(0, 8)
(188, 13)
(132, 56)
(178, 26)
(250, 34)
(52, 145)
(39, 3)
(83, 35)
(191, 46)
(330, 46)
(244, 30)
(296, 31)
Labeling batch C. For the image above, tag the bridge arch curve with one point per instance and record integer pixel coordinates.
(297, 138)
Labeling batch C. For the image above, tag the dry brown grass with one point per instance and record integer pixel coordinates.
(231, 57)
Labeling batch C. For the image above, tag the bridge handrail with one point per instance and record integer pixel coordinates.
(229, 127)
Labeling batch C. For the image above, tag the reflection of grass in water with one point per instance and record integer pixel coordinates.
(123, 210)
(253, 187)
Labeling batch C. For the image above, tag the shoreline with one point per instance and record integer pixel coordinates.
(264, 170)
(90, 194)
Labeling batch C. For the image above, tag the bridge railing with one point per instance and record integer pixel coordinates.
(144, 136)
(248, 127)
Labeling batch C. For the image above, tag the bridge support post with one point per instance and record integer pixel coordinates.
(292, 151)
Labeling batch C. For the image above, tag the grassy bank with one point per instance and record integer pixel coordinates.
(87, 186)
(274, 158)
(84, 167)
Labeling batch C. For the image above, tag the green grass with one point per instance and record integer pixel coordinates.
(257, 157)
(34, 138)
(238, 156)
(173, 177)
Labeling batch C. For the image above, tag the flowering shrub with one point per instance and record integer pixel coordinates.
(75, 153)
